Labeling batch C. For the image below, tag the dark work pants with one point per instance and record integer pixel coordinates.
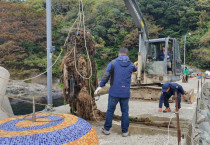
(124, 105)
(166, 98)
(187, 78)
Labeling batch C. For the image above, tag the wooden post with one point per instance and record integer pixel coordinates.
(34, 115)
(177, 118)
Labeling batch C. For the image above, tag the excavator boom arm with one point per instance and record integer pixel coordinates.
(137, 16)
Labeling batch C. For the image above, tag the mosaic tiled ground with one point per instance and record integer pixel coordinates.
(70, 130)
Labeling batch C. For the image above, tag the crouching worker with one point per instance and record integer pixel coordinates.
(119, 70)
(169, 89)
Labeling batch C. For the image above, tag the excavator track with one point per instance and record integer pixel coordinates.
(139, 92)
(145, 92)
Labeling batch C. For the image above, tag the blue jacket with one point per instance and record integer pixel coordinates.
(161, 55)
(174, 88)
(120, 72)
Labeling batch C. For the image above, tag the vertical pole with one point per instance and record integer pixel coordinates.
(201, 79)
(201, 86)
(204, 78)
(166, 54)
(197, 103)
(140, 42)
(177, 118)
(49, 53)
(33, 115)
(184, 49)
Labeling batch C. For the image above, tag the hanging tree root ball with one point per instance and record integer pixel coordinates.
(78, 84)
(47, 130)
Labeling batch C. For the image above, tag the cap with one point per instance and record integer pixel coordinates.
(165, 87)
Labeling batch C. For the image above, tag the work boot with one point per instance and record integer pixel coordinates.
(125, 134)
(167, 110)
(104, 131)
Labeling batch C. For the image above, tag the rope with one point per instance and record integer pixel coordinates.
(40, 73)
(27, 101)
(169, 127)
(91, 73)
(70, 32)
(78, 25)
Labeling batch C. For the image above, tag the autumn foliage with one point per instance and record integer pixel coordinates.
(20, 28)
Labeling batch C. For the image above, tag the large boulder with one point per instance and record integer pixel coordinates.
(205, 127)
(5, 106)
(205, 138)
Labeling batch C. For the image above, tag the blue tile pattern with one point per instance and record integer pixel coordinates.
(11, 125)
(62, 136)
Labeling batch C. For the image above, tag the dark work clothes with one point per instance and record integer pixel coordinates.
(167, 97)
(123, 69)
(161, 55)
(112, 102)
(120, 71)
(174, 87)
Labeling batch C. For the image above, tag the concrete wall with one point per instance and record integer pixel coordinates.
(5, 107)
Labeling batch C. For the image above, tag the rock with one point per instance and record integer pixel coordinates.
(28, 90)
(205, 127)
(208, 114)
(205, 138)
(201, 118)
(57, 94)
(43, 100)
(205, 113)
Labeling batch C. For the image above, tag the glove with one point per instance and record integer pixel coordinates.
(167, 56)
(96, 91)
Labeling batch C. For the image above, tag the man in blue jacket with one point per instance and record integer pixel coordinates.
(161, 55)
(169, 89)
(119, 70)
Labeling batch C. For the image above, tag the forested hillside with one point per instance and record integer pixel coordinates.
(23, 40)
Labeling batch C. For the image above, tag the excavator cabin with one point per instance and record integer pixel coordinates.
(169, 64)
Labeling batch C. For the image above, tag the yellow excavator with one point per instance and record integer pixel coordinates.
(146, 83)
